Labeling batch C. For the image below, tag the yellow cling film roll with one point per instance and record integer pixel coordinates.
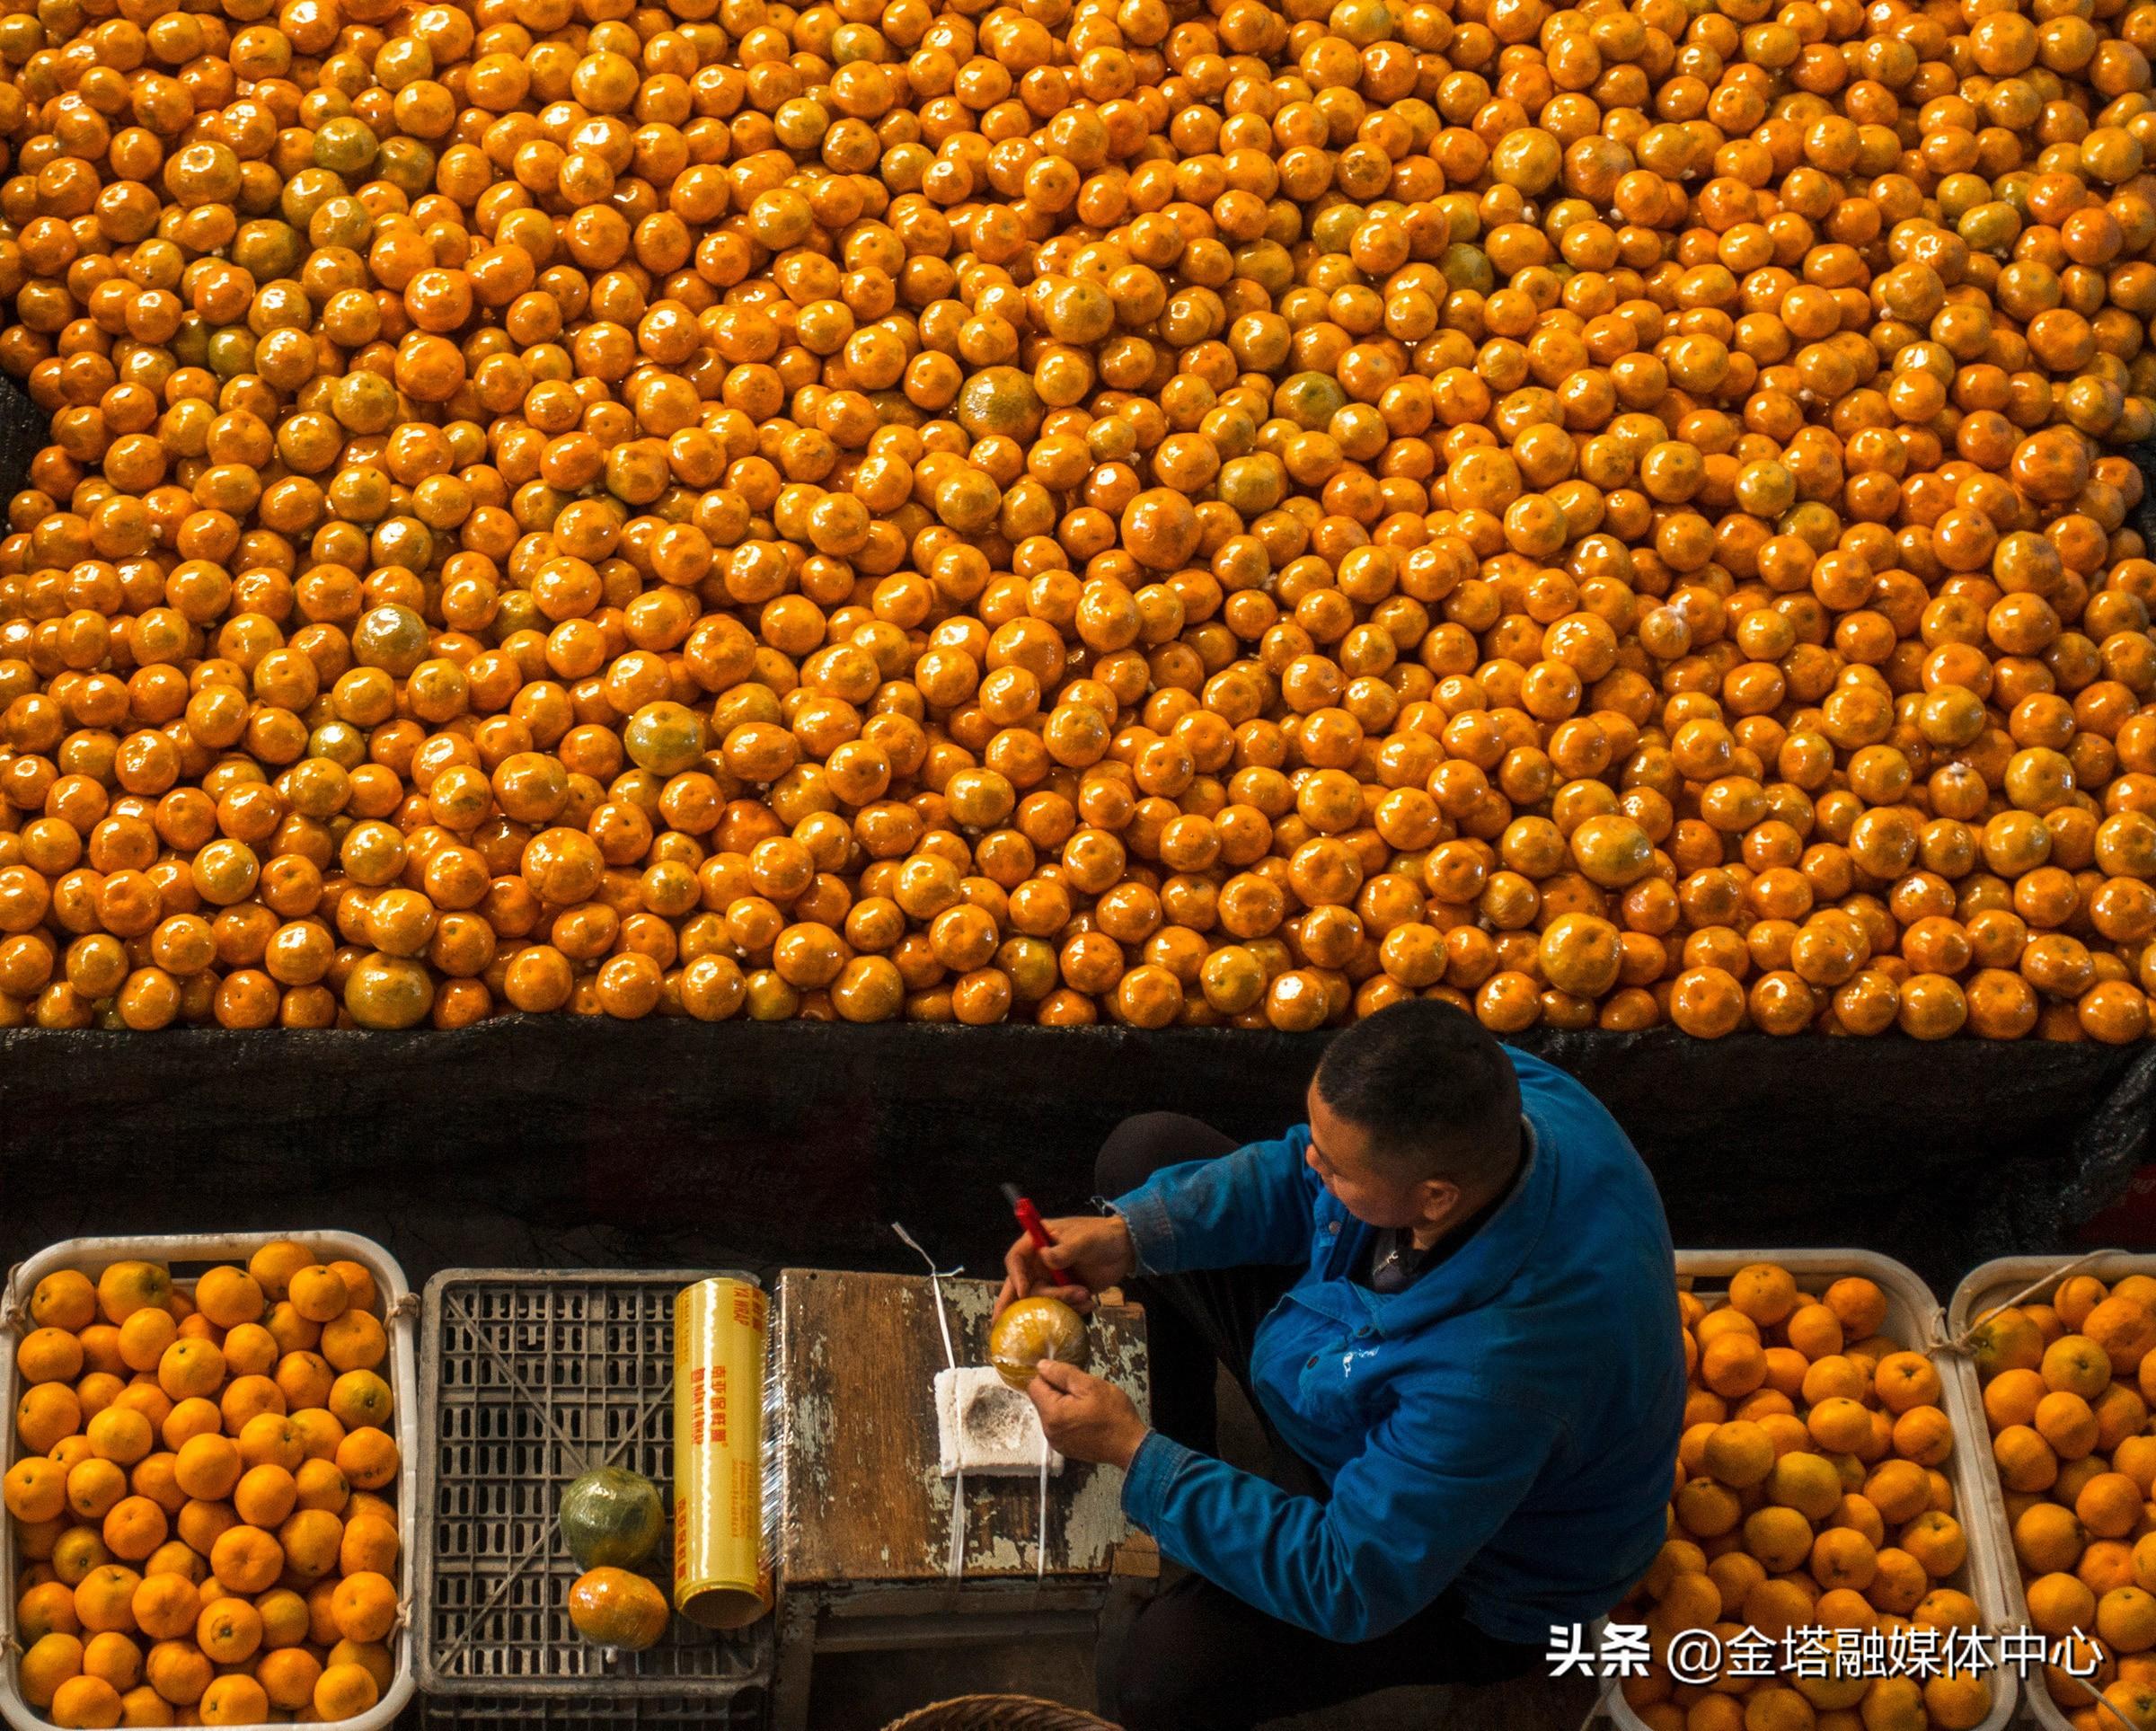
(721, 1574)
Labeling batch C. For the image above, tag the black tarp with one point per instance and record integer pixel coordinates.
(541, 1141)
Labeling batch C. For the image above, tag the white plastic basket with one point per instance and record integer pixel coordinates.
(1911, 1318)
(93, 1256)
(1985, 1288)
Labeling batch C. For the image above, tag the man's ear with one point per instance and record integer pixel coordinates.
(1438, 1198)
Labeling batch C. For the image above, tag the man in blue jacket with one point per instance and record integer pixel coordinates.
(1450, 1298)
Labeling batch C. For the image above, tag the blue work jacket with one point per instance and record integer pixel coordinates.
(1508, 1422)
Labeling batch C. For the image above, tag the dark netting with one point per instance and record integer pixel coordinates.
(676, 1143)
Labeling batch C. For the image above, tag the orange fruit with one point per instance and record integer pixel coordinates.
(368, 1458)
(203, 1522)
(371, 1657)
(247, 1398)
(288, 1677)
(2129, 1703)
(144, 1336)
(187, 1419)
(1904, 1380)
(2120, 1413)
(178, 1671)
(304, 1379)
(2048, 1539)
(1839, 1426)
(2058, 1602)
(1737, 1454)
(286, 1331)
(101, 1348)
(318, 1484)
(361, 1397)
(1923, 1435)
(264, 1496)
(2125, 1329)
(319, 1433)
(129, 1286)
(273, 1266)
(2011, 1397)
(228, 1630)
(2007, 1340)
(1731, 1365)
(46, 1609)
(2075, 1365)
(1859, 1305)
(2066, 1421)
(1895, 1704)
(113, 1658)
(229, 1296)
(207, 1467)
(2024, 1458)
(104, 1599)
(354, 1341)
(2125, 1620)
(615, 1608)
(235, 1699)
(270, 1439)
(253, 1349)
(1765, 1293)
(35, 1488)
(286, 1621)
(1937, 1541)
(1843, 1557)
(1809, 1483)
(310, 1540)
(145, 1706)
(358, 1284)
(1705, 1509)
(64, 1299)
(2076, 1297)
(191, 1370)
(2109, 1505)
(1900, 1584)
(50, 1355)
(364, 1606)
(2107, 1563)
(165, 1606)
(1813, 1330)
(318, 1294)
(247, 1559)
(134, 1527)
(1780, 1538)
(1898, 1489)
(370, 1544)
(45, 1414)
(50, 1661)
(77, 1553)
(86, 1701)
(344, 1691)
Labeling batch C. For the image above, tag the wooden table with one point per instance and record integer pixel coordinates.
(865, 1521)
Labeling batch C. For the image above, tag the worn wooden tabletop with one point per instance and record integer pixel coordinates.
(862, 1500)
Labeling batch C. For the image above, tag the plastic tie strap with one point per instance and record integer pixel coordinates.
(1961, 1345)
(954, 1565)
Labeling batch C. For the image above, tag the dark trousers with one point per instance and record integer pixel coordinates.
(1195, 1657)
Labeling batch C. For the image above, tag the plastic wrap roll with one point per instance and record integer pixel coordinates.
(721, 1574)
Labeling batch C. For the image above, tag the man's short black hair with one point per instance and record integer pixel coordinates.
(1435, 1093)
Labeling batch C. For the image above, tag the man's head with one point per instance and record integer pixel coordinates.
(1415, 1117)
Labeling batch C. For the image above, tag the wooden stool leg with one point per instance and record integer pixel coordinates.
(794, 1639)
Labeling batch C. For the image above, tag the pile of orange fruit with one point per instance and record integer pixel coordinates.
(1808, 1495)
(1608, 513)
(202, 1497)
(2067, 1391)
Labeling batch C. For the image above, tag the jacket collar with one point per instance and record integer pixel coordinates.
(1475, 1274)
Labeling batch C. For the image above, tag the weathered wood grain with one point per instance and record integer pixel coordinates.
(862, 1500)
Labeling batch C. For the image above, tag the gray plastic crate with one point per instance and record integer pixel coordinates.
(527, 1379)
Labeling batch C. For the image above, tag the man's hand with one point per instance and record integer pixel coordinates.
(1095, 1247)
(1087, 1418)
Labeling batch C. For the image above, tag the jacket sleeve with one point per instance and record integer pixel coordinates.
(1252, 1206)
(1440, 1476)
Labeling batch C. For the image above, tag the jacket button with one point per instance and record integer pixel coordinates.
(1332, 1228)
(1313, 1365)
